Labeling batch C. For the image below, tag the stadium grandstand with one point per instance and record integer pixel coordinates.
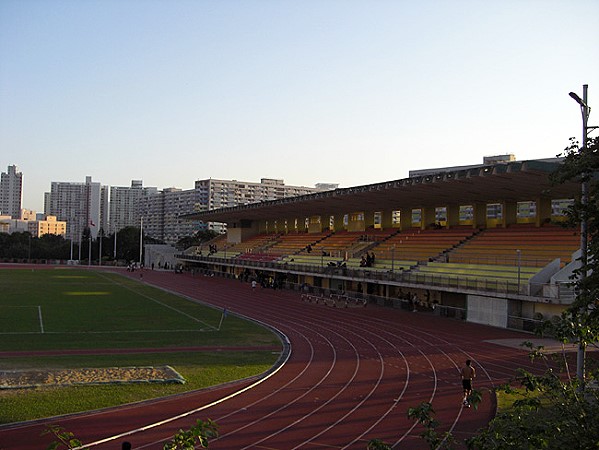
(484, 243)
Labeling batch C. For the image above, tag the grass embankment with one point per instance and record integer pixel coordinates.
(84, 310)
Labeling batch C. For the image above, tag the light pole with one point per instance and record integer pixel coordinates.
(89, 249)
(101, 236)
(585, 110)
(114, 249)
(584, 196)
(519, 254)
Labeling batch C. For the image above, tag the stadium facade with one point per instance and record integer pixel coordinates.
(481, 243)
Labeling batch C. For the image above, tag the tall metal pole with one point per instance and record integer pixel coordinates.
(584, 198)
(141, 239)
(519, 253)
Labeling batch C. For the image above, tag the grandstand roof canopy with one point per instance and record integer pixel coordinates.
(514, 181)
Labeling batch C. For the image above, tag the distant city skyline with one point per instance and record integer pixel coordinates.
(126, 185)
(342, 91)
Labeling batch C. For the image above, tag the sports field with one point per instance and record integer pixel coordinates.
(77, 318)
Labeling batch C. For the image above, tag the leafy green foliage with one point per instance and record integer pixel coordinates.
(25, 246)
(198, 238)
(547, 413)
(580, 323)
(65, 439)
(199, 434)
(377, 444)
(424, 415)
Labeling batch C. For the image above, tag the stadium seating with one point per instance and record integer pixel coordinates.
(255, 243)
(501, 277)
(292, 243)
(537, 246)
(421, 245)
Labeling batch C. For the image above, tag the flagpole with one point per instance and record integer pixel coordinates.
(141, 239)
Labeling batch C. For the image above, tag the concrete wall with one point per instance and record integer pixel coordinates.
(487, 310)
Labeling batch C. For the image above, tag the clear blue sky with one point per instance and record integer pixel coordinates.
(342, 91)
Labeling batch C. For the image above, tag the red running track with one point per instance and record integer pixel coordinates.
(350, 377)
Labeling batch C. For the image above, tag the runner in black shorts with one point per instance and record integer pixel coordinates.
(467, 373)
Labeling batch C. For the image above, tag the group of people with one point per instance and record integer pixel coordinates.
(367, 260)
(263, 279)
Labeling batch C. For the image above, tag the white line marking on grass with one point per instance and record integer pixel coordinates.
(195, 330)
(39, 313)
(127, 331)
(161, 303)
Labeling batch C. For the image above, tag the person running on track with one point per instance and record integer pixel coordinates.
(467, 373)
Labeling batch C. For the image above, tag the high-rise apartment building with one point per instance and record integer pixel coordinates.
(215, 194)
(11, 192)
(81, 205)
(163, 213)
(126, 203)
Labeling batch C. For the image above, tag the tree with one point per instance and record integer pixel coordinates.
(198, 238)
(547, 413)
(580, 322)
(128, 244)
(424, 414)
(555, 410)
(197, 435)
(50, 246)
(16, 245)
(64, 438)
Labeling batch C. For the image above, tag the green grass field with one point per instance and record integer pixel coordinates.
(74, 309)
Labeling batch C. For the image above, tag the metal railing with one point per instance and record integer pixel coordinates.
(401, 277)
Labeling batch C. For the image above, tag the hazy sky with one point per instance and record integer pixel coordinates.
(340, 91)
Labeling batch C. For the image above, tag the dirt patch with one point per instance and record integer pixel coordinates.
(20, 379)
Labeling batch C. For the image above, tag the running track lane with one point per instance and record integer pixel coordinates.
(351, 376)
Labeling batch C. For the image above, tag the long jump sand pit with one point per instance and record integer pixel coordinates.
(22, 379)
